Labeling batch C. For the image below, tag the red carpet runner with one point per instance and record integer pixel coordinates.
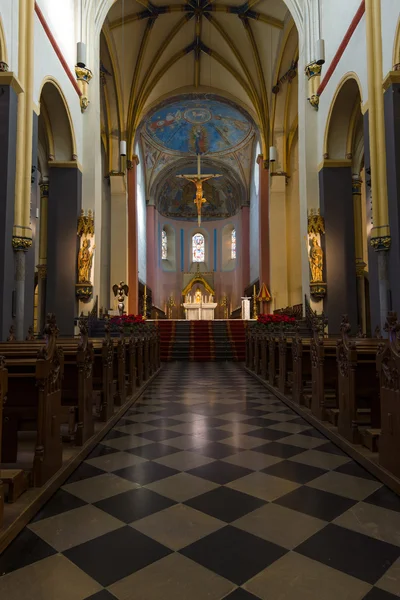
(202, 340)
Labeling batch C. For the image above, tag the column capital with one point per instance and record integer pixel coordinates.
(21, 243)
(42, 271)
(356, 185)
(313, 70)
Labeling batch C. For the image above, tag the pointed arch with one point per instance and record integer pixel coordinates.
(344, 82)
(59, 116)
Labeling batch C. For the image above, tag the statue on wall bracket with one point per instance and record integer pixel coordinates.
(316, 228)
(85, 230)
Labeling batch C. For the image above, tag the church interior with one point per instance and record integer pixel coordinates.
(200, 299)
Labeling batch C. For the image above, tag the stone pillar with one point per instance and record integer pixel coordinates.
(358, 244)
(42, 266)
(64, 207)
(264, 228)
(338, 244)
(9, 90)
(392, 131)
(243, 249)
(279, 266)
(118, 262)
(152, 248)
(133, 280)
(22, 234)
(380, 236)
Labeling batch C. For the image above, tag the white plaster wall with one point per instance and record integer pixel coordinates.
(336, 18)
(254, 219)
(141, 218)
(9, 19)
(390, 19)
(47, 64)
(63, 18)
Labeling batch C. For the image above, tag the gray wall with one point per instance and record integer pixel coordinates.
(336, 201)
(8, 136)
(65, 198)
(392, 126)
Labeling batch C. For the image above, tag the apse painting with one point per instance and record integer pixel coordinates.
(198, 126)
(176, 200)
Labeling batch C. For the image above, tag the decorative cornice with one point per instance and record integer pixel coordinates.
(313, 70)
(21, 243)
(83, 74)
(331, 163)
(391, 78)
(380, 243)
(9, 78)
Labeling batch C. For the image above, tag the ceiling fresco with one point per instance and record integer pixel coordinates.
(201, 125)
(175, 132)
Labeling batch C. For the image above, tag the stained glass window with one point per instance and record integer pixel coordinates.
(198, 247)
(164, 245)
(233, 244)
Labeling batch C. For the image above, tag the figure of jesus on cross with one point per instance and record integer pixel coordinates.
(198, 180)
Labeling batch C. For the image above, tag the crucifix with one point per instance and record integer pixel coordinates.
(198, 180)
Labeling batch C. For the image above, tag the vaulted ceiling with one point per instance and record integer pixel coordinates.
(226, 46)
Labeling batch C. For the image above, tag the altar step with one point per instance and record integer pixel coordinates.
(202, 340)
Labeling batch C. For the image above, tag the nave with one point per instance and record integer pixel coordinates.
(211, 488)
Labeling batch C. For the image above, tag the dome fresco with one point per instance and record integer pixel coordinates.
(197, 125)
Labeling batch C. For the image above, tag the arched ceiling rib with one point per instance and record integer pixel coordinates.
(224, 44)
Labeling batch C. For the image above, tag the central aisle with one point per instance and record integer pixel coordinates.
(208, 484)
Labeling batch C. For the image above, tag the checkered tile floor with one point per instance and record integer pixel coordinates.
(211, 488)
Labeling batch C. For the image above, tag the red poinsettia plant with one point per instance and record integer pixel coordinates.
(128, 321)
(269, 319)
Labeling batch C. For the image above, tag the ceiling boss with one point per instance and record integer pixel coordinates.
(198, 180)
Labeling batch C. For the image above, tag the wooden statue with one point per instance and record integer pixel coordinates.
(85, 259)
(316, 260)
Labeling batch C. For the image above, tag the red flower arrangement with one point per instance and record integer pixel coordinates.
(127, 320)
(275, 320)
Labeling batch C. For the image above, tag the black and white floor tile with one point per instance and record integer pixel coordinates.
(211, 488)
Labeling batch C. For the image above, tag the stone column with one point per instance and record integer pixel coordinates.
(392, 132)
(152, 248)
(119, 225)
(22, 234)
(380, 236)
(279, 266)
(264, 231)
(243, 249)
(9, 90)
(133, 279)
(64, 207)
(338, 245)
(358, 243)
(42, 266)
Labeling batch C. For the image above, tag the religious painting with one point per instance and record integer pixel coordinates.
(198, 254)
(197, 125)
(176, 199)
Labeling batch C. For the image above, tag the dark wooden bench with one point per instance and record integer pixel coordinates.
(324, 379)
(388, 366)
(285, 371)
(301, 361)
(33, 409)
(359, 416)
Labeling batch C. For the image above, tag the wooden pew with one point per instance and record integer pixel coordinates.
(3, 398)
(285, 376)
(273, 358)
(264, 355)
(301, 361)
(34, 404)
(103, 378)
(388, 366)
(120, 369)
(358, 386)
(249, 348)
(132, 364)
(324, 394)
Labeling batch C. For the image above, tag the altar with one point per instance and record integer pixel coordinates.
(199, 307)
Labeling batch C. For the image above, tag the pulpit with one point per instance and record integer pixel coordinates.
(199, 307)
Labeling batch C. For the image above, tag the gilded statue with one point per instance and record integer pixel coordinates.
(197, 296)
(316, 260)
(120, 291)
(85, 259)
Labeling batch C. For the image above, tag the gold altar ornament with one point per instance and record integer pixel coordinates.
(85, 259)
(198, 180)
(86, 223)
(316, 222)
